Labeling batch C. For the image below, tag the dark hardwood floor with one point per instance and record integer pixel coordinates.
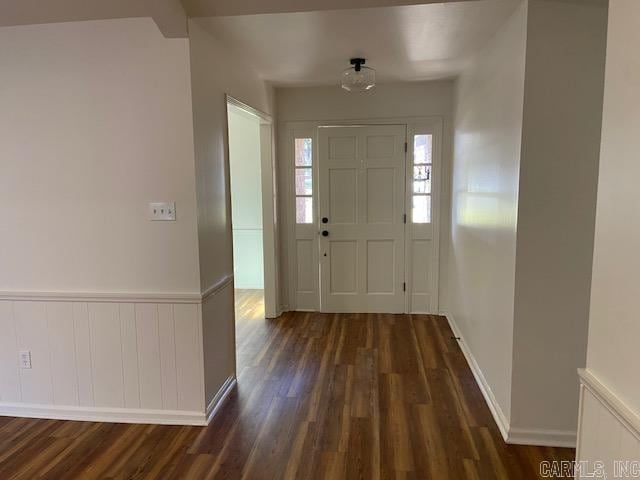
(319, 397)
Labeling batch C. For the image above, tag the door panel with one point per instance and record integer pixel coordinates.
(362, 193)
(343, 259)
(381, 195)
(343, 191)
(380, 262)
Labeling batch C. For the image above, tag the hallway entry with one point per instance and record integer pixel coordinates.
(253, 206)
(364, 215)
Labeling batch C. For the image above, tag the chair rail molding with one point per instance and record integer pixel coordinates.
(608, 429)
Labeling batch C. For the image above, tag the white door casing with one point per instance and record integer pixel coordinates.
(362, 196)
(302, 241)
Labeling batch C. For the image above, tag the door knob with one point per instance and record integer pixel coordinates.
(325, 233)
(325, 220)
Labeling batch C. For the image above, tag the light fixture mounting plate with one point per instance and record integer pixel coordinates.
(357, 63)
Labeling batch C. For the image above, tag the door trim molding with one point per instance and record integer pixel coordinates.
(270, 226)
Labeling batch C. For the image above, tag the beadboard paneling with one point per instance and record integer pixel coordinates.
(129, 339)
(188, 328)
(9, 379)
(102, 354)
(149, 355)
(106, 355)
(64, 377)
(83, 354)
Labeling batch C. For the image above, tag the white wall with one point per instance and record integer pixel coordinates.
(613, 355)
(486, 161)
(525, 169)
(566, 44)
(95, 122)
(246, 198)
(417, 99)
(216, 71)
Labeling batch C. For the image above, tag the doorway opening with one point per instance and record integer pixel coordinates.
(251, 176)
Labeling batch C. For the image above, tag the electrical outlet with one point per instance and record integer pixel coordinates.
(25, 359)
(162, 211)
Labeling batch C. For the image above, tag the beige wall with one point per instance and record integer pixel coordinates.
(417, 99)
(488, 125)
(610, 428)
(95, 122)
(215, 71)
(566, 44)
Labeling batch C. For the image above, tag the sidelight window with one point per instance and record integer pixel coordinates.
(304, 180)
(422, 169)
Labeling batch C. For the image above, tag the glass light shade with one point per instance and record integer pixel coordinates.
(353, 81)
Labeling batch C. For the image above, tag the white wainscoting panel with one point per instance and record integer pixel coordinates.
(9, 378)
(120, 360)
(149, 355)
(608, 430)
(129, 339)
(62, 353)
(106, 355)
(83, 354)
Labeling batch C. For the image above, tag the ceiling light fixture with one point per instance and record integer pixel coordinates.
(358, 78)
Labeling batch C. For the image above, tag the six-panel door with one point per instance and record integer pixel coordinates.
(361, 196)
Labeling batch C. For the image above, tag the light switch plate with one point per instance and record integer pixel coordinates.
(162, 211)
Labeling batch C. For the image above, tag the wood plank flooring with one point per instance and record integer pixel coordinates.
(362, 396)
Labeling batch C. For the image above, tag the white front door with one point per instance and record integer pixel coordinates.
(361, 212)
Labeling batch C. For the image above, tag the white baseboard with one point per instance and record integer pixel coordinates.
(511, 435)
(103, 414)
(489, 397)
(121, 415)
(543, 438)
(218, 400)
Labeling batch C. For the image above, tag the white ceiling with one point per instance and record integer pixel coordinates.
(170, 15)
(403, 43)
